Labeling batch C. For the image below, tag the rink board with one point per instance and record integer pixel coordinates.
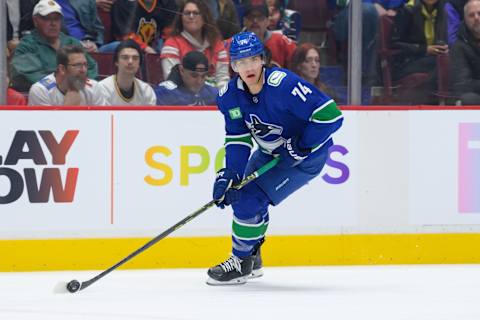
(80, 189)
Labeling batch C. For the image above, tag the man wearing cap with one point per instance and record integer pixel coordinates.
(186, 83)
(279, 46)
(123, 88)
(35, 55)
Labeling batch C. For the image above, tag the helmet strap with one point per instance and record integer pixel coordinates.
(261, 74)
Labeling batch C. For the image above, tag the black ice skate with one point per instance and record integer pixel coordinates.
(233, 271)
(257, 270)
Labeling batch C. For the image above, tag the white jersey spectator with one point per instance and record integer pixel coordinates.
(143, 94)
(46, 93)
(69, 84)
(123, 88)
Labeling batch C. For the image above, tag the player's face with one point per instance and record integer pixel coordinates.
(249, 69)
(472, 18)
(310, 67)
(192, 19)
(257, 23)
(48, 26)
(194, 80)
(128, 61)
(76, 70)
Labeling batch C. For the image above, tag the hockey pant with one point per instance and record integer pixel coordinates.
(250, 213)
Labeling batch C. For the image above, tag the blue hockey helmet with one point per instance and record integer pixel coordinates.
(244, 45)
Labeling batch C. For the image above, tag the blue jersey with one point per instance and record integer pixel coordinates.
(286, 107)
(169, 94)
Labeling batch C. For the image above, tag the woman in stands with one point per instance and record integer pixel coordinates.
(306, 63)
(195, 29)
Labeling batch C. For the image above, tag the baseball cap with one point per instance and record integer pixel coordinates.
(45, 7)
(256, 5)
(192, 59)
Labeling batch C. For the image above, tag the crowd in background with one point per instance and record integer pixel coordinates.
(175, 52)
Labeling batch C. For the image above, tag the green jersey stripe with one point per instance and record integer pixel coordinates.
(238, 143)
(239, 139)
(233, 136)
(325, 112)
(328, 121)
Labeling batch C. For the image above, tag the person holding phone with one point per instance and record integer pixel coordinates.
(418, 37)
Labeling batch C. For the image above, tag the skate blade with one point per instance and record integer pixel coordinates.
(256, 274)
(233, 282)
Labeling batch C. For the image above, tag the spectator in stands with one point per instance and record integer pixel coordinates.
(69, 84)
(81, 21)
(19, 21)
(144, 21)
(465, 56)
(123, 88)
(256, 20)
(186, 84)
(195, 29)
(227, 21)
(35, 55)
(275, 15)
(105, 5)
(419, 35)
(306, 63)
(454, 11)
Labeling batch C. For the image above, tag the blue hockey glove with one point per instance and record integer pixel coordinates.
(223, 192)
(290, 154)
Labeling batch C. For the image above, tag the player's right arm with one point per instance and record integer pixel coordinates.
(238, 143)
(238, 140)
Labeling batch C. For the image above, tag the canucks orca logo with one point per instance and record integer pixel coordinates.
(267, 135)
(262, 129)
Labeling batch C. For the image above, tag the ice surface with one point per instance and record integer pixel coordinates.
(449, 292)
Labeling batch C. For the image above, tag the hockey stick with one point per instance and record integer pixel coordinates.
(75, 286)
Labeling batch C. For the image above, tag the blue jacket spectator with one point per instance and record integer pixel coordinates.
(186, 83)
(454, 12)
(81, 21)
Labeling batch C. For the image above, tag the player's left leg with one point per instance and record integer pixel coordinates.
(249, 225)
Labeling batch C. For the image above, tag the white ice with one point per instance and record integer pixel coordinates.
(449, 292)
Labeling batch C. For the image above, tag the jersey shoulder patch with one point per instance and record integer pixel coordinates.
(170, 85)
(223, 90)
(276, 78)
(48, 83)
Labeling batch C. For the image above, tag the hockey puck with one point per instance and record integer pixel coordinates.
(73, 286)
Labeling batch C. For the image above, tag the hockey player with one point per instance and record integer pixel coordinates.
(287, 117)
